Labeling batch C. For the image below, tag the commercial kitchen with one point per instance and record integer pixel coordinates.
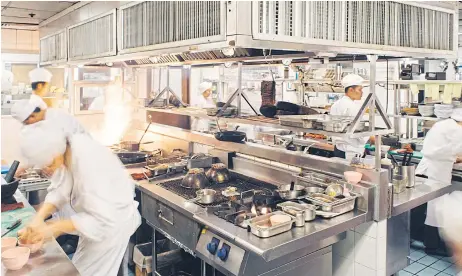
(220, 112)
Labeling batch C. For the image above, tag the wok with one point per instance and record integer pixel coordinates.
(132, 157)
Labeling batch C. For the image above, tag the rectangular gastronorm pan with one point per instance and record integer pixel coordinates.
(255, 225)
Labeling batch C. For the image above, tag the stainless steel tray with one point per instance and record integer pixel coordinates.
(303, 212)
(339, 206)
(261, 226)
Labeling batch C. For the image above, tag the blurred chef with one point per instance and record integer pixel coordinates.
(205, 91)
(452, 224)
(35, 110)
(99, 189)
(205, 101)
(441, 147)
(349, 105)
(40, 79)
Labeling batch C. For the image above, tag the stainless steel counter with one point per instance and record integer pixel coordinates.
(51, 260)
(424, 191)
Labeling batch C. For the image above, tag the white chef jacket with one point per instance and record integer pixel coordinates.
(440, 149)
(65, 121)
(101, 193)
(351, 146)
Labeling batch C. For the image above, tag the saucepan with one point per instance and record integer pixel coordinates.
(205, 196)
(290, 191)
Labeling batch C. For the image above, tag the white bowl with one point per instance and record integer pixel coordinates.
(15, 258)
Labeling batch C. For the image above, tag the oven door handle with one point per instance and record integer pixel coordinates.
(159, 214)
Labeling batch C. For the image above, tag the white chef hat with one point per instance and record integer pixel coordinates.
(457, 114)
(351, 80)
(204, 86)
(38, 102)
(41, 143)
(40, 75)
(7, 80)
(22, 109)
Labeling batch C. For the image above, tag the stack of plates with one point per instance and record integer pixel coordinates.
(427, 110)
(443, 111)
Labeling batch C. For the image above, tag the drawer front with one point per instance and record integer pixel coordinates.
(180, 229)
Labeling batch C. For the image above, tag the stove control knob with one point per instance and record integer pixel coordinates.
(213, 246)
(223, 252)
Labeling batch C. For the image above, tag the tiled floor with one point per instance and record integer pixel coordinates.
(426, 265)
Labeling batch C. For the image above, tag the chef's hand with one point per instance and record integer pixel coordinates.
(19, 172)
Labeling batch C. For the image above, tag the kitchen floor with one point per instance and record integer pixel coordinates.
(428, 265)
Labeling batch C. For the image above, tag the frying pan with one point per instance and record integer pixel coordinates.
(230, 136)
(132, 157)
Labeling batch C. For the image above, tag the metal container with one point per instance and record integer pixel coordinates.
(334, 205)
(195, 179)
(205, 196)
(295, 209)
(399, 184)
(407, 173)
(200, 161)
(285, 192)
(218, 173)
(261, 226)
(317, 190)
(158, 170)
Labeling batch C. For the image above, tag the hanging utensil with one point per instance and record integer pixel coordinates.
(12, 227)
(146, 130)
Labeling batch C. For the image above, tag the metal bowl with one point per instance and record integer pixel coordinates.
(218, 173)
(311, 190)
(285, 192)
(195, 179)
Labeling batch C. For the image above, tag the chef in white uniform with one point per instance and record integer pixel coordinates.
(205, 101)
(100, 191)
(40, 80)
(349, 105)
(441, 147)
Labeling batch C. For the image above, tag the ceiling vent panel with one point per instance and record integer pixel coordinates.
(93, 38)
(355, 24)
(151, 25)
(53, 48)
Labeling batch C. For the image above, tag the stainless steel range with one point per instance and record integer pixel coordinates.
(218, 233)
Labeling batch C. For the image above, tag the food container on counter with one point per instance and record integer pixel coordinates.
(261, 226)
(407, 174)
(301, 212)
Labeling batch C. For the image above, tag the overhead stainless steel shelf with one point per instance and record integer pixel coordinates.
(200, 113)
(415, 117)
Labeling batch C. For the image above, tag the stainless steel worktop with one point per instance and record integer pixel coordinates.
(51, 260)
(424, 191)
